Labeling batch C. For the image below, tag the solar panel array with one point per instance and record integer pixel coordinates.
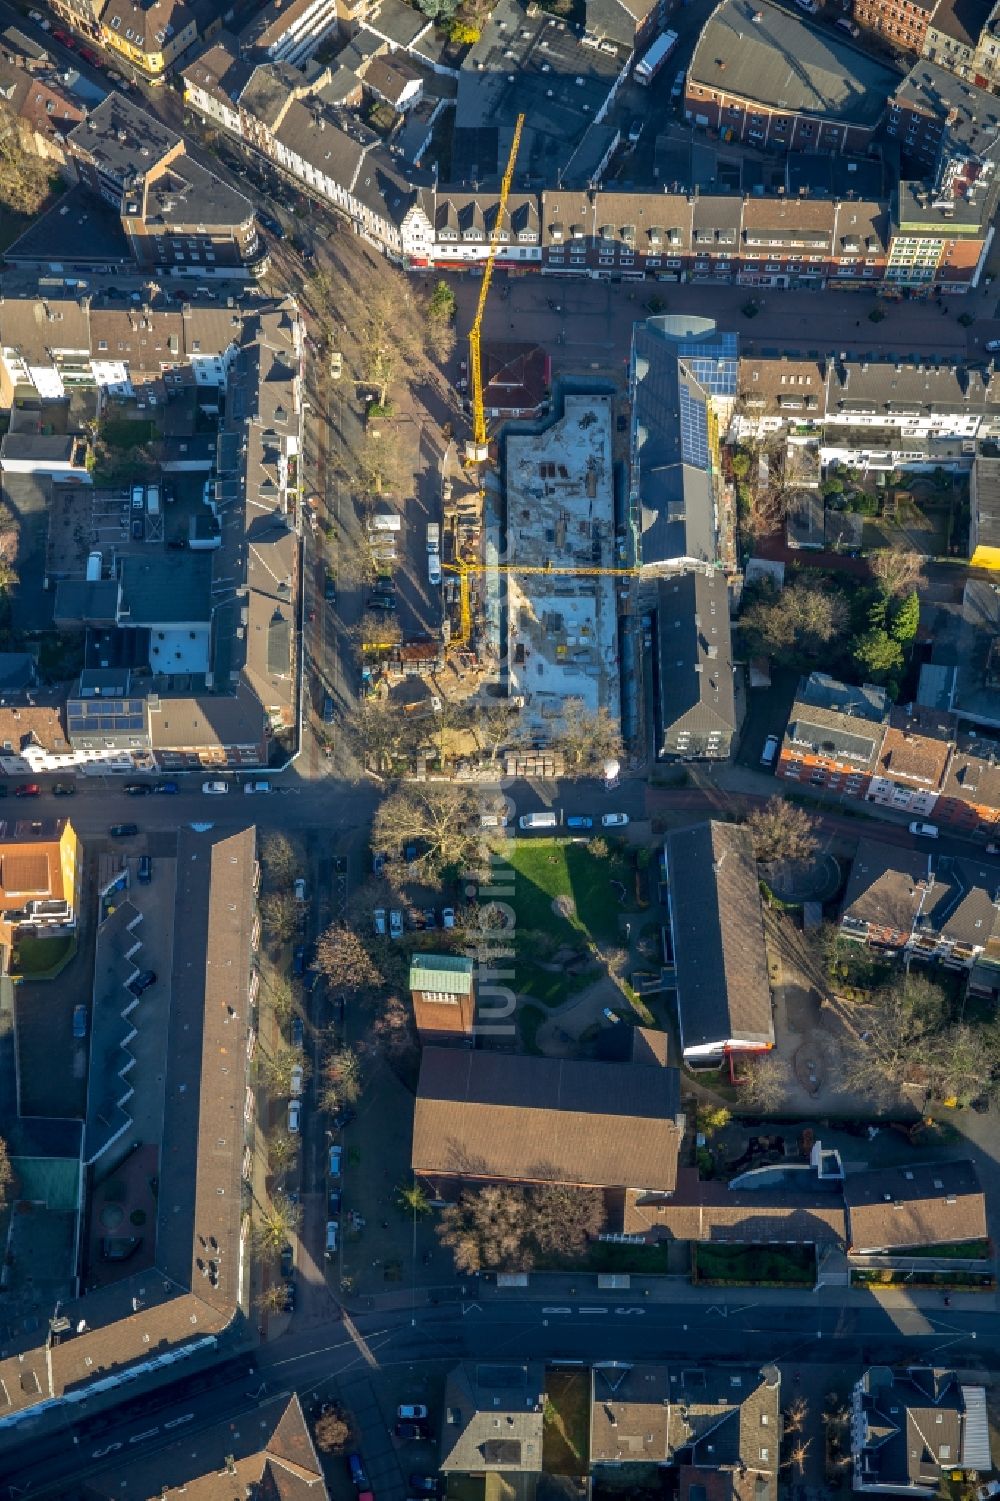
(102, 716)
(694, 429)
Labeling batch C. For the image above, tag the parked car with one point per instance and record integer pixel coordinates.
(289, 1295)
(412, 1412)
(447, 917)
(294, 1117)
(425, 1485)
(271, 224)
(993, 345)
(296, 1080)
(169, 788)
(378, 865)
(145, 871)
(300, 889)
(357, 1470)
(79, 1021)
(380, 922)
(123, 830)
(430, 918)
(395, 923)
(287, 1261)
(333, 1203)
(579, 821)
(329, 588)
(332, 1227)
(677, 88)
(770, 750)
(614, 820)
(143, 980)
(299, 959)
(925, 830)
(328, 713)
(635, 131)
(215, 789)
(27, 789)
(336, 364)
(298, 1033)
(63, 789)
(411, 1430)
(252, 788)
(137, 789)
(333, 1166)
(433, 568)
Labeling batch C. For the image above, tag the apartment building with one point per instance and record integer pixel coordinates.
(947, 129)
(914, 760)
(911, 1429)
(695, 698)
(175, 213)
(288, 31)
(739, 82)
(984, 513)
(902, 23)
(149, 34)
(834, 735)
(944, 908)
(41, 869)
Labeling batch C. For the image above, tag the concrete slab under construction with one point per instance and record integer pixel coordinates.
(562, 626)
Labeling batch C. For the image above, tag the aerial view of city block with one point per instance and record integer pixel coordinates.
(544, 454)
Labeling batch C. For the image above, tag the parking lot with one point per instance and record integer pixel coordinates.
(403, 552)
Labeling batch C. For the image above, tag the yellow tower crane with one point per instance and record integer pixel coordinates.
(477, 449)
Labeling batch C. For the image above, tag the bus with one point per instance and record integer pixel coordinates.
(653, 59)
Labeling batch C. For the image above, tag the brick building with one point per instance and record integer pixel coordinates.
(443, 988)
(834, 735)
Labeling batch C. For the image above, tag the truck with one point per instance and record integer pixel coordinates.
(153, 500)
(654, 57)
(433, 536)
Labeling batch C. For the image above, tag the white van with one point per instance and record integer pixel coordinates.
(770, 750)
(138, 497)
(547, 820)
(851, 27)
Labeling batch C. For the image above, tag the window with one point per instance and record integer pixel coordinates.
(440, 997)
(765, 1454)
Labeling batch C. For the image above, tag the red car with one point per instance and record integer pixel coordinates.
(28, 789)
(90, 57)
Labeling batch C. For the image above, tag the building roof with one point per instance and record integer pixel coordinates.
(516, 376)
(496, 1115)
(677, 364)
(272, 1457)
(33, 724)
(929, 896)
(148, 26)
(400, 24)
(695, 655)
(451, 974)
(30, 860)
(194, 1290)
(870, 387)
(723, 992)
(916, 1426)
(166, 588)
(630, 1414)
(758, 51)
(703, 1211)
(974, 772)
(493, 1418)
(41, 448)
(838, 721)
(805, 518)
(123, 140)
(618, 20)
(771, 386)
(986, 501)
(969, 116)
(925, 1204)
(917, 747)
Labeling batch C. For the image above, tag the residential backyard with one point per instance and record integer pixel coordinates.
(566, 1430)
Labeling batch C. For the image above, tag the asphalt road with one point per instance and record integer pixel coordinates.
(606, 1327)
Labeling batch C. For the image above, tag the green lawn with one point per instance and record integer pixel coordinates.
(43, 958)
(737, 1263)
(566, 1424)
(547, 868)
(966, 1250)
(609, 1256)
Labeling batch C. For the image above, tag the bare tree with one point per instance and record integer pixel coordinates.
(379, 466)
(798, 1454)
(276, 994)
(588, 737)
(24, 177)
(897, 1043)
(280, 860)
(280, 915)
(344, 960)
(332, 1431)
(439, 819)
(271, 1299)
(765, 1080)
(282, 1149)
(795, 1415)
(377, 630)
(394, 1028)
(342, 1071)
(782, 831)
(798, 623)
(7, 1178)
(897, 571)
(485, 1229)
(276, 1223)
(564, 1220)
(276, 1068)
(494, 725)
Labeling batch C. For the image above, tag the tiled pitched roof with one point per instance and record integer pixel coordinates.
(496, 1115)
(925, 1204)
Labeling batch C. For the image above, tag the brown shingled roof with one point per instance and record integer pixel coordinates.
(923, 1205)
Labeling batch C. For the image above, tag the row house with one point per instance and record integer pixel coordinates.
(834, 735)
(883, 414)
(773, 394)
(925, 906)
(939, 239)
(464, 225)
(914, 760)
(289, 30)
(902, 23)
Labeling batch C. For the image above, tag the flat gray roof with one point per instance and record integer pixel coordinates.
(758, 51)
